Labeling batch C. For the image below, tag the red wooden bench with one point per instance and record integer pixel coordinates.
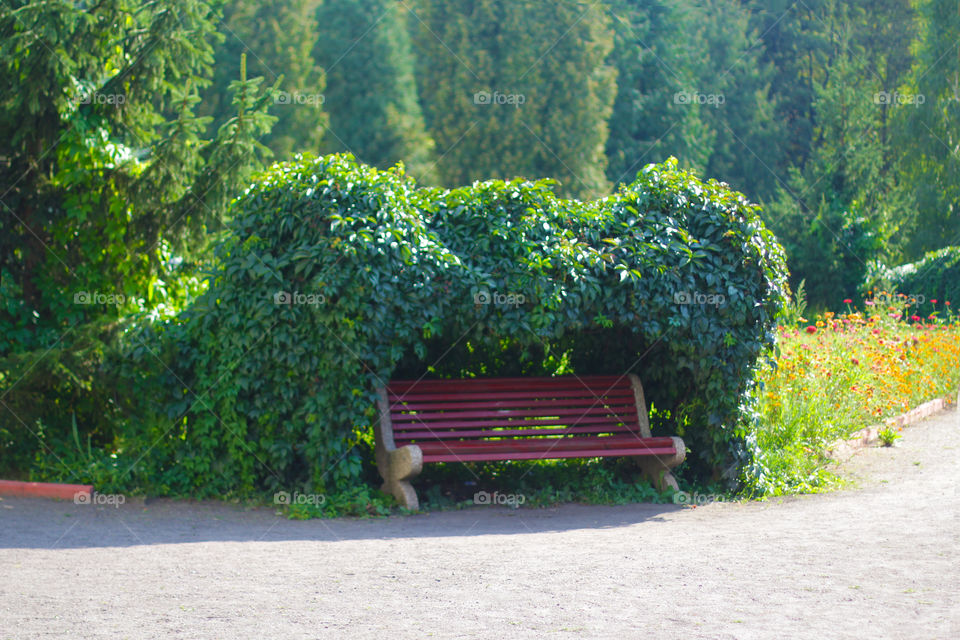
(490, 419)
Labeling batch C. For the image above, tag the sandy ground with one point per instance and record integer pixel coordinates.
(878, 560)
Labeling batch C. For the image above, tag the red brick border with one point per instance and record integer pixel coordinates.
(45, 490)
(843, 449)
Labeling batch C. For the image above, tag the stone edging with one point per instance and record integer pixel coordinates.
(843, 449)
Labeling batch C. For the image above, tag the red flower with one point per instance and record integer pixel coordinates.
(947, 303)
(811, 329)
(854, 361)
(934, 301)
(915, 318)
(848, 301)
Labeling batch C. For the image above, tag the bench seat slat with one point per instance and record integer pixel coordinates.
(618, 411)
(586, 394)
(530, 422)
(546, 449)
(546, 444)
(434, 434)
(458, 403)
(510, 384)
(547, 455)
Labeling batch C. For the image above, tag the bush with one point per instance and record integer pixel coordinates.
(45, 392)
(336, 277)
(934, 277)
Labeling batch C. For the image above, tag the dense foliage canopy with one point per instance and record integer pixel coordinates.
(336, 277)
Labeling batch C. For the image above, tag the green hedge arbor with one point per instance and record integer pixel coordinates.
(337, 276)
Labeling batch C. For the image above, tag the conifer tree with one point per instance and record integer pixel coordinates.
(929, 134)
(744, 124)
(277, 37)
(659, 57)
(109, 190)
(511, 89)
(371, 92)
(840, 211)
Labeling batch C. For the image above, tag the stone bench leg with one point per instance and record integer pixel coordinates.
(656, 469)
(659, 477)
(397, 468)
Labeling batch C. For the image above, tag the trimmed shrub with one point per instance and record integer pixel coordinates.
(336, 277)
(934, 277)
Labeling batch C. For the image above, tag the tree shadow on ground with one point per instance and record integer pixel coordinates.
(31, 523)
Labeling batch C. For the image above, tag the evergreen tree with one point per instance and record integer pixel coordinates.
(277, 37)
(658, 55)
(843, 206)
(692, 82)
(744, 124)
(108, 187)
(929, 133)
(800, 42)
(511, 89)
(371, 92)
(796, 43)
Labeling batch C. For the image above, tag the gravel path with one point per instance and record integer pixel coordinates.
(878, 560)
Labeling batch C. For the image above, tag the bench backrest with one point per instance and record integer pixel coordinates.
(426, 410)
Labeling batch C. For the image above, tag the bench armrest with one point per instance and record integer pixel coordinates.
(396, 466)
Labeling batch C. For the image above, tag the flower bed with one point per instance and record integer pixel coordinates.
(841, 372)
